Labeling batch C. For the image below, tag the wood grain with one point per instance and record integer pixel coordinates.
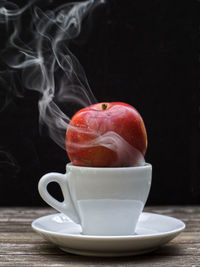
(21, 246)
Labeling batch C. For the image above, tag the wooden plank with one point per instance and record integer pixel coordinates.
(29, 214)
(32, 237)
(44, 248)
(28, 237)
(23, 213)
(34, 212)
(191, 226)
(150, 260)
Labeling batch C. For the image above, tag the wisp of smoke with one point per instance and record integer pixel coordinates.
(8, 164)
(49, 67)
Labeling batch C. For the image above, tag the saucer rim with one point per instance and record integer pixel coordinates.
(111, 237)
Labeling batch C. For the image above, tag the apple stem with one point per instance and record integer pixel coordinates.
(104, 106)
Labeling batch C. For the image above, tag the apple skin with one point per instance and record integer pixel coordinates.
(89, 124)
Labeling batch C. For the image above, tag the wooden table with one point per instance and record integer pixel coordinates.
(21, 246)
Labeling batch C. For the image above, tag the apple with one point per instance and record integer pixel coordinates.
(106, 135)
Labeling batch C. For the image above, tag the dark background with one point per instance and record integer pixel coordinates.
(144, 53)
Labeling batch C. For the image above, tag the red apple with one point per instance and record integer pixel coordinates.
(106, 135)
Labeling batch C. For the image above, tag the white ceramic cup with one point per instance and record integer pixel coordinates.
(105, 201)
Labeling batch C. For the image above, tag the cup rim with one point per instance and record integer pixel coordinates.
(145, 166)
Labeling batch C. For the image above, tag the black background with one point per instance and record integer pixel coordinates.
(144, 53)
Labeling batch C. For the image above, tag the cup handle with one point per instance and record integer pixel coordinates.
(67, 206)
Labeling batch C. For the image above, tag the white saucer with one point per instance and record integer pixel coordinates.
(152, 231)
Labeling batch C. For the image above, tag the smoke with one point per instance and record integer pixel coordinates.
(125, 155)
(46, 64)
(8, 165)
